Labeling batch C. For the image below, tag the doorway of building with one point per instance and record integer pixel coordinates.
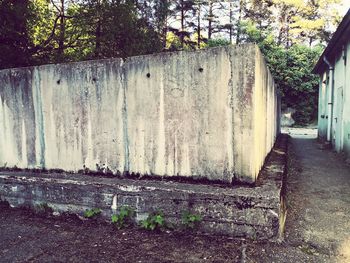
(338, 129)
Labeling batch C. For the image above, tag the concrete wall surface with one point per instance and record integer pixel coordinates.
(210, 114)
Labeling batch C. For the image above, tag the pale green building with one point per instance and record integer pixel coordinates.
(333, 68)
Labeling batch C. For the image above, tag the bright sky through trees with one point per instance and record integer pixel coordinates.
(345, 7)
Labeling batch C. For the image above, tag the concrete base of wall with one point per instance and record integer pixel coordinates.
(240, 211)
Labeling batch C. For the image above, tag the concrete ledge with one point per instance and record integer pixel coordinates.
(241, 211)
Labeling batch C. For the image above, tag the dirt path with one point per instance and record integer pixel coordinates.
(318, 193)
(317, 227)
(319, 216)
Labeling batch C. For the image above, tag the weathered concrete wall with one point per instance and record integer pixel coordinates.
(266, 112)
(209, 114)
(254, 212)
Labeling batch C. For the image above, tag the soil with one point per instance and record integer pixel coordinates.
(317, 226)
(30, 237)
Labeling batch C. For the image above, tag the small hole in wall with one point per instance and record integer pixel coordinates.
(148, 75)
(94, 79)
(58, 82)
(200, 69)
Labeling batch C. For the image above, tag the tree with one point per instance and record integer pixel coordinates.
(259, 11)
(114, 29)
(291, 69)
(302, 21)
(210, 17)
(15, 41)
(162, 13)
(185, 10)
(314, 21)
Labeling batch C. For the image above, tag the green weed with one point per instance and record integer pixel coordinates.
(190, 220)
(91, 213)
(154, 221)
(124, 218)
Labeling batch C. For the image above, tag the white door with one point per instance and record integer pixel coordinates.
(338, 120)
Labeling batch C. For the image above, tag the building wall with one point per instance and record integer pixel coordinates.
(340, 131)
(323, 112)
(346, 112)
(210, 114)
(338, 92)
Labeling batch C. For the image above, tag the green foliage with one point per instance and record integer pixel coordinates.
(190, 220)
(288, 46)
(291, 69)
(41, 31)
(293, 21)
(92, 213)
(217, 42)
(15, 42)
(117, 30)
(154, 221)
(124, 218)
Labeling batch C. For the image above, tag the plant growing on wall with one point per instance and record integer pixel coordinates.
(92, 213)
(190, 220)
(124, 218)
(154, 221)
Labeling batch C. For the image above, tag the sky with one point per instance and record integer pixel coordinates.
(345, 7)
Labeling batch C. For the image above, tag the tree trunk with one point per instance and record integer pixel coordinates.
(280, 33)
(164, 34)
(98, 39)
(287, 30)
(164, 24)
(60, 51)
(238, 40)
(210, 19)
(231, 18)
(98, 32)
(182, 23)
(199, 26)
(311, 40)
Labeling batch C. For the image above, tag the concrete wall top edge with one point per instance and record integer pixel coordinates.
(67, 64)
(132, 58)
